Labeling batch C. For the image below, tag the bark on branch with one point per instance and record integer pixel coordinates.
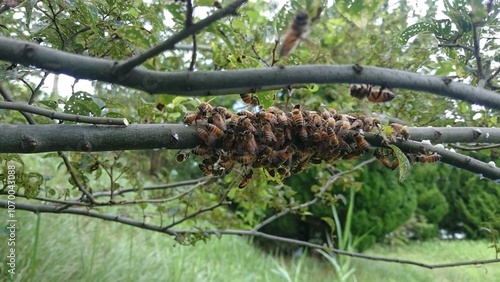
(234, 82)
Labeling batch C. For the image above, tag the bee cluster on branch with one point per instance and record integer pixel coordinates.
(282, 142)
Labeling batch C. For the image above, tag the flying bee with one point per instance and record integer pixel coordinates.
(219, 121)
(181, 156)
(250, 99)
(298, 119)
(215, 130)
(399, 131)
(246, 179)
(421, 158)
(374, 95)
(385, 160)
(298, 30)
(361, 142)
(247, 159)
(205, 169)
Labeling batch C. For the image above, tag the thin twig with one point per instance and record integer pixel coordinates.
(126, 66)
(465, 47)
(62, 116)
(221, 202)
(75, 178)
(316, 198)
(9, 98)
(193, 55)
(474, 148)
(477, 54)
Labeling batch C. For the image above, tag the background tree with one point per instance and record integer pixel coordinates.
(131, 50)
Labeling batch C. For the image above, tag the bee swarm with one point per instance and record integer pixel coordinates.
(279, 142)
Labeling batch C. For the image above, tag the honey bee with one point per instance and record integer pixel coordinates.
(282, 118)
(248, 124)
(332, 136)
(354, 154)
(283, 155)
(269, 117)
(342, 128)
(204, 108)
(251, 144)
(361, 142)
(246, 113)
(247, 159)
(205, 169)
(298, 30)
(223, 112)
(181, 156)
(227, 163)
(303, 133)
(357, 125)
(250, 99)
(385, 160)
(374, 95)
(316, 120)
(190, 118)
(215, 130)
(246, 179)
(228, 140)
(219, 121)
(200, 151)
(268, 132)
(203, 134)
(421, 158)
(399, 131)
(370, 122)
(298, 119)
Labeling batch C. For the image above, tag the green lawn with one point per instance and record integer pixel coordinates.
(72, 248)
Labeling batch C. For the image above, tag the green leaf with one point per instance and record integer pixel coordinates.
(404, 164)
(266, 98)
(330, 223)
(82, 103)
(49, 103)
(415, 29)
(360, 12)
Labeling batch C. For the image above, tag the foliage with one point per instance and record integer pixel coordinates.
(373, 33)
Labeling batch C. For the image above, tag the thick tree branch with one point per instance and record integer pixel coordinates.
(126, 66)
(48, 138)
(62, 116)
(83, 138)
(132, 222)
(237, 81)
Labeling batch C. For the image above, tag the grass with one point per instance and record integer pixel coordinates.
(72, 248)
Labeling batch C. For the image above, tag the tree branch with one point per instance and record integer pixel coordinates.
(62, 116)
(126, 66)
(131, 222)
(465, 47)
(85, 138)
(238, 81)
